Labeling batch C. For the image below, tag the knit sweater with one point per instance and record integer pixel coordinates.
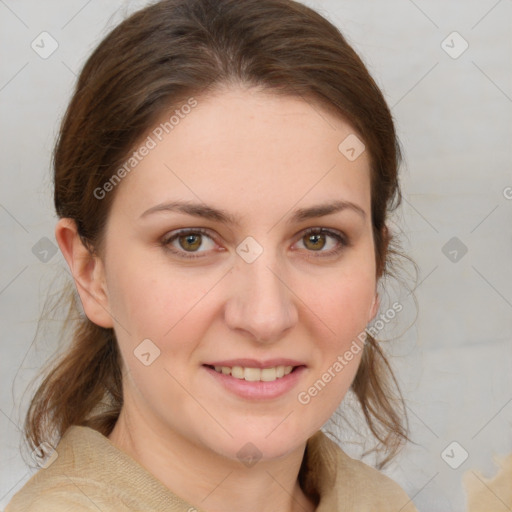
(91, 474)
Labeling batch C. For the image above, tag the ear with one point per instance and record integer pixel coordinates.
(88, 273)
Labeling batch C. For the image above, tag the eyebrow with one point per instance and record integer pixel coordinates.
(219, 215)
(326, 209)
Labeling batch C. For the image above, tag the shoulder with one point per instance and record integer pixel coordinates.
(379, 490)
(351, 484)
(44, 493)
(89, 473)
(68, 481)
(61, 496)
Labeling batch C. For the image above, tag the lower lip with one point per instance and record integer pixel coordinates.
(258, 390)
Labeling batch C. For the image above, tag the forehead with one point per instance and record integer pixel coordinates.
(243, 149)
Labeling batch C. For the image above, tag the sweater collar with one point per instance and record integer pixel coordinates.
(318, 472)
(317, 475)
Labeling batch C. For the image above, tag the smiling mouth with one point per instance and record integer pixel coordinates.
(255, 374)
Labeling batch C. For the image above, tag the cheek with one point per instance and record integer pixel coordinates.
(173, 309)
(153, 298)
(343, 304)
(339, 335)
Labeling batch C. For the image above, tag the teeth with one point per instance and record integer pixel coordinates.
(255, 374)
(268, 374)
(237, 372)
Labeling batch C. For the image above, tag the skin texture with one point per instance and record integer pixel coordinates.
(259, 157)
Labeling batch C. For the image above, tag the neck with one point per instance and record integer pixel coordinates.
(208, 480)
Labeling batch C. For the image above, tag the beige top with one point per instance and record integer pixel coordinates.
(91, 474)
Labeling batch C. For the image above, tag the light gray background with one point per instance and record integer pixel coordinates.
(454, 121)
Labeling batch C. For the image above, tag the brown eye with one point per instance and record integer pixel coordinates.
(190, 242)
(323, 242)
(314, 241)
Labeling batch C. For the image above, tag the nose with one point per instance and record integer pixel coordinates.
(261, 303)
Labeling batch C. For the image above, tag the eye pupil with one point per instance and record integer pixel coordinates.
(190, 241)
(317, 241)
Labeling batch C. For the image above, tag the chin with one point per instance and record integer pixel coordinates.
(261, 442)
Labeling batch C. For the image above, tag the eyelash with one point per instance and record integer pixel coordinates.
(342, 240)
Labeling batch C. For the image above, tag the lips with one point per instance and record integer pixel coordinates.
(260, 380)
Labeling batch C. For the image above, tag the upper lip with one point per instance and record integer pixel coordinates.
(254, 363)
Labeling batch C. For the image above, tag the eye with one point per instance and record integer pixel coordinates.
(186, 242)
(326, 242)
(197, 242)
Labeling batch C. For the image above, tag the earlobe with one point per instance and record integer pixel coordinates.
(88, 273)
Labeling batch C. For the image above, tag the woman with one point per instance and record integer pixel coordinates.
(223, 177)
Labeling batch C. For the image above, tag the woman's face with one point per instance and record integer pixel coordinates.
(245, 286)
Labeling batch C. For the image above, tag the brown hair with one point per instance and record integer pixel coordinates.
(147, 65)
